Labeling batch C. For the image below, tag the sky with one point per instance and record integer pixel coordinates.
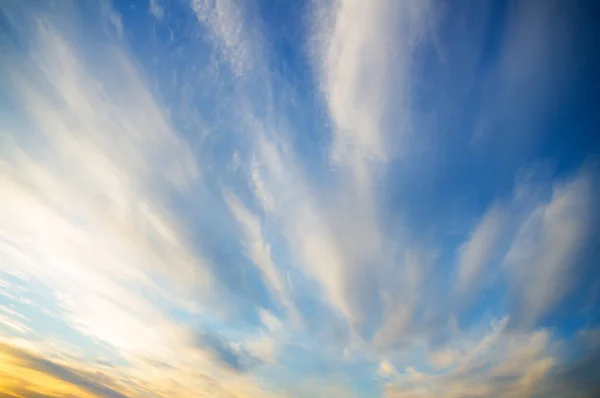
(299, 198)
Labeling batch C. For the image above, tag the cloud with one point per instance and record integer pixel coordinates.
(499, 363)
(286, 201)
(258, 250)
(25, 366)
(408, 316)
(265, 348)
(579, 376)
(90, 170)
(157, 9)
(386, 369)
(357, 57)
(31, 371)
(494, 364)
(229, 353)
(334, 236)
(474, 255)
(337, 235)
(272, 323)
(227, 23)
(307, 233)
(84, 213)
(442, 358)
(545, 252)
(542, 263)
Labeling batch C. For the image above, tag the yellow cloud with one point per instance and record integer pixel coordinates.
(29, 373)
(22, 374)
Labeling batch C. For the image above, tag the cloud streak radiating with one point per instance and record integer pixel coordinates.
(234, 199)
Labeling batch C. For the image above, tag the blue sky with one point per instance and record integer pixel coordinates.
(268, 198)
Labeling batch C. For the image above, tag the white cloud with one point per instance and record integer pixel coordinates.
(79, 214)
(442, 358)
(308, 234)
(542, 259)
(276, 179)
(271, 322)
(475, 254)
(403, 300)
(84, 213)
(259, 250)
(332, 243)
(260, 190)
(334, 237)
(113, 19)
(226, 22)
(265, 348)
(489, 364)
(95, 165)
(364, 61)
(14, 325)
(386, 369)
(157, 9)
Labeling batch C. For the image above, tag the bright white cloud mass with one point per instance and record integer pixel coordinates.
(345, 198)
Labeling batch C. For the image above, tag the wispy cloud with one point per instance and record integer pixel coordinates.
(547, 248)
(157, 9)
(87, 213)
(361, 46)
(331, 198)
(494, 364)
(31, 375)
(474, 254)
(227, 24)
(86, 197)
(259, 250)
